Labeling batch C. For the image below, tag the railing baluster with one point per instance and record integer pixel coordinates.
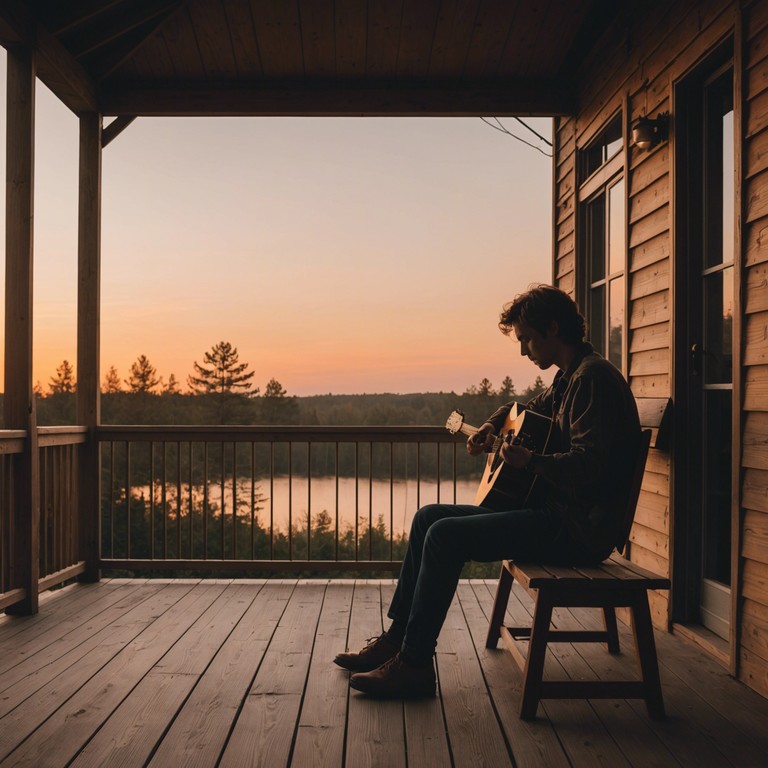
(164, 500)
(391, 501)
(253, 500)
(112, 498)
(234, 500)
(178, 499)
(152, 500)
(272, 501)
(205, 501)
(191, 504)
(370, 501)
(309, 501)
(223, 503)
(357, 501)
(290, 501)
(128, 495)
(336, 500)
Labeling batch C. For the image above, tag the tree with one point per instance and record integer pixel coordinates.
(276, 407)
(172, 387)
(64, 380)
(143, 376)
(112, 381)
(536, 388)
(507, 389)
(221, 372)
(485, 388)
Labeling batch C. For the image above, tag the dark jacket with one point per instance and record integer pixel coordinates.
(588, 467)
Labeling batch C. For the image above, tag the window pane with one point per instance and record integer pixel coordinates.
(596, 238)
(603, 148)
(719, 200)
(729, 200)
(718, 327)
(596, 318)
(616, 228)
(616, 316)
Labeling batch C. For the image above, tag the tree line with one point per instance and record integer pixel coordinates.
(221, 390)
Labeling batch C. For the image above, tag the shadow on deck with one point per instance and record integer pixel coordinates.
(221, 673)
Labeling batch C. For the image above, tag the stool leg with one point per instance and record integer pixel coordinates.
(609, 616)
(642, 628)
(537, 651)
(503, 589)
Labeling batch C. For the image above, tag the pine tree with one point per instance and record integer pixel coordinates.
(64, 380)
(112, 381)
(143, 376)
(221, 372)
(485, 388)
(507, 389)
(276, 407)
(172, 387)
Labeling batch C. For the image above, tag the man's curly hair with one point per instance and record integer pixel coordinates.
(538, 307)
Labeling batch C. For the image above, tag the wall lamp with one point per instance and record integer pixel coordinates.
(647, 132)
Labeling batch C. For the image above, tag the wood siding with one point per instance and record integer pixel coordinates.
(638, 65)
(753, 650)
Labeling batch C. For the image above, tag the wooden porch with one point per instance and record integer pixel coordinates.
(188, 672)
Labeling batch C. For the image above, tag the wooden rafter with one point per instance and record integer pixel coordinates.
(55, 66)
(382, 99)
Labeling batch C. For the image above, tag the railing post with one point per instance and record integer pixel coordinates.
(18, 403)
(88, 338)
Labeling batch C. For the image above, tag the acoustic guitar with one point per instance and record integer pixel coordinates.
(503, 487)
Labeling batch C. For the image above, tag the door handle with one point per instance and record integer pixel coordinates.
(696, 355)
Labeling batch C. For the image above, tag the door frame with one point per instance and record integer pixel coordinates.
(683, 562)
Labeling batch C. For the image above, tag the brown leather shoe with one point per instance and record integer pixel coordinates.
(378, 650)
(396, 680)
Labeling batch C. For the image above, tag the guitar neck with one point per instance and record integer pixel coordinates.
(468, 430)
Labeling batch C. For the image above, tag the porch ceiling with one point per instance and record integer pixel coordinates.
(309, 57)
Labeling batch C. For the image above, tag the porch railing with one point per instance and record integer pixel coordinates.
(241, 499)
(59, 521)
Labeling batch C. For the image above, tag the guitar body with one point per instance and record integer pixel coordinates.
(504, 487)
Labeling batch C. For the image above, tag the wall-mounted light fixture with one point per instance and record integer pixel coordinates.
(647, 132)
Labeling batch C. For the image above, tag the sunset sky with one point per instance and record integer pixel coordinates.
(338, 255)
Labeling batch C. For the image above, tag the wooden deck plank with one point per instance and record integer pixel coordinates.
(426, 739)
(534, 742)
(34, 656)
(572, 718)
(200, 730)
(131, 733)
(53, 609)
(39, 693)
(264, 732)
(61, 736)
(172, 676)
(323, 718)
(375, 731)
(683, 742)
(475, 734)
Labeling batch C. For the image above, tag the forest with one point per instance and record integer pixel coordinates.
(169, 499)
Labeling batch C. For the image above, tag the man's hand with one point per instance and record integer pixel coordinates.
(515, 455)
(481, 441)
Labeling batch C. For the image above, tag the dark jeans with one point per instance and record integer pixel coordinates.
(444, 537)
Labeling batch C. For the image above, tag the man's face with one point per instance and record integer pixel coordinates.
(540, 348)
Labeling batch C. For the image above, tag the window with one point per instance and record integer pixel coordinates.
(602, 198)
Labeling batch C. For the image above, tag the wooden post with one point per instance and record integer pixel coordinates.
(18, 404)
(88, 339)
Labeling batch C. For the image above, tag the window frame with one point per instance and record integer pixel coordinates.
(598, 183)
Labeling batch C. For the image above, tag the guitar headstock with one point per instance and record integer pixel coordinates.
(455, 422)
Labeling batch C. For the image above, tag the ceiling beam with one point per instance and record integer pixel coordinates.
(368, 99)
(55, 66)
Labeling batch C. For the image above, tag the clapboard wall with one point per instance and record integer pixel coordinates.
(634, 69)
